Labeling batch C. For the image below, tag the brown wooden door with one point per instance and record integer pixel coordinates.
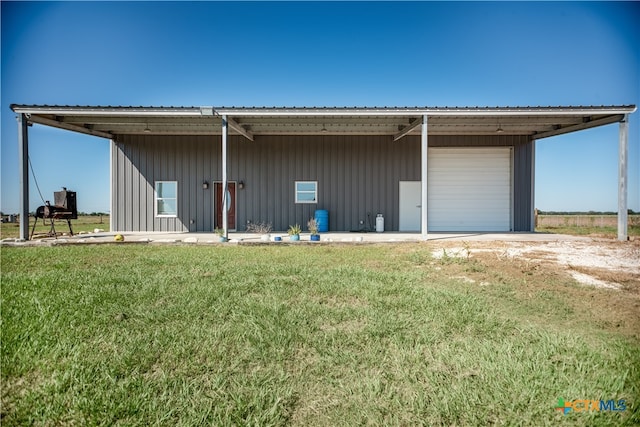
(231, 216)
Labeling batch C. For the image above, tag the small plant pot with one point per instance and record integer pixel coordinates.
(222, 239)
(294, 237)
(265, 237)
(315, 237)
(277, 239)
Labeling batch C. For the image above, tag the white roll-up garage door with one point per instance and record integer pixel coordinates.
(469, 189)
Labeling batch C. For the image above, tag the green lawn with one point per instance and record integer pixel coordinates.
(84, 223)
(302, 335)
(606, 232)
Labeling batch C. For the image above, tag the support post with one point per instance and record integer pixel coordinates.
(225, 218)
(622, 178)
(424, 150)
(112, 186)
(534, 211)
(23, 158)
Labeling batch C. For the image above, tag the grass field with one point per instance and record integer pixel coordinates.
(557, 224)
(304, 335)
(609, 232)
(84, 223)
(587, 225)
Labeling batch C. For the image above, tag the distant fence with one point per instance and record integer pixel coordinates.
(583, 220)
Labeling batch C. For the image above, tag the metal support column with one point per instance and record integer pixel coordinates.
(532, 227)
(424, 149)
(225, 218)
(23, 159)
(622, 178)
(112, 186)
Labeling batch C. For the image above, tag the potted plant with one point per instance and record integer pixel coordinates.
(312, 225)
(262, 228)
(294, 232)
(220, 233)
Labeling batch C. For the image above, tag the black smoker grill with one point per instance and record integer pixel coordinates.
(64, 207)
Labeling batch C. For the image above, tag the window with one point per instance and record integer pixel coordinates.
(306, 192)
(166, 198)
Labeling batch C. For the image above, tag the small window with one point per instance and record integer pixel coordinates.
(306, 192)
(166, 198)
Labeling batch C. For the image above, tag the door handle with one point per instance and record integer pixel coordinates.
(418, 206)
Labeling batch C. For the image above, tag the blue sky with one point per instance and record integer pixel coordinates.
(322, 54)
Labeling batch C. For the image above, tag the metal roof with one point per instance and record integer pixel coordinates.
(536, 122)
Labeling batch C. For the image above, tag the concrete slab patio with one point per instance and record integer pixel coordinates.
(331, 237)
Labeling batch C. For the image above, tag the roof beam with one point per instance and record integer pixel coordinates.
(408, 129)
(240, 129)
(437, 111)
(58, 124)
(580, 126)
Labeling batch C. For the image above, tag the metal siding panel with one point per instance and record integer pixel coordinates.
(391, 217)
(361, 189)
(281, 187)
(232, 163)
(140, 201)
(280, 192)
(177, 164)
(162, 176)
(315, 171)
(337, 175)
(215, 149)
(170, 173)
(522, 177)
(149, 170)
(118, 195)
(196, 190)
(263, 196)
(377, 175)
(240, 168)
(351, 214)
(191, 179)
(211, 163)
(114, 186)
(113, 165)
(173, 166)
(356, 175)
(264, 162)
(353, 202)
(302, 175)
(128, 217)
(132, 150)
(253, 180)
(156, 156)
(135, 187)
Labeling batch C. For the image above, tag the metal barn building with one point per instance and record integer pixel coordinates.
(425, 169)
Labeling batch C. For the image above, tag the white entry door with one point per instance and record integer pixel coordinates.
(410, 206)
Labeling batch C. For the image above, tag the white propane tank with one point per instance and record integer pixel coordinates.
(379, 223)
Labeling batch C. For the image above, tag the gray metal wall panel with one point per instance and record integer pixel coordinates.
(140, 161)
(120, 193)
(357, 176)
(522, 176)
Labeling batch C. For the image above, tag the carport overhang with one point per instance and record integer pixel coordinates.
(252, 122)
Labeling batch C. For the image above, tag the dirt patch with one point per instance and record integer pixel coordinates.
(605, 275)
(605, 260)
